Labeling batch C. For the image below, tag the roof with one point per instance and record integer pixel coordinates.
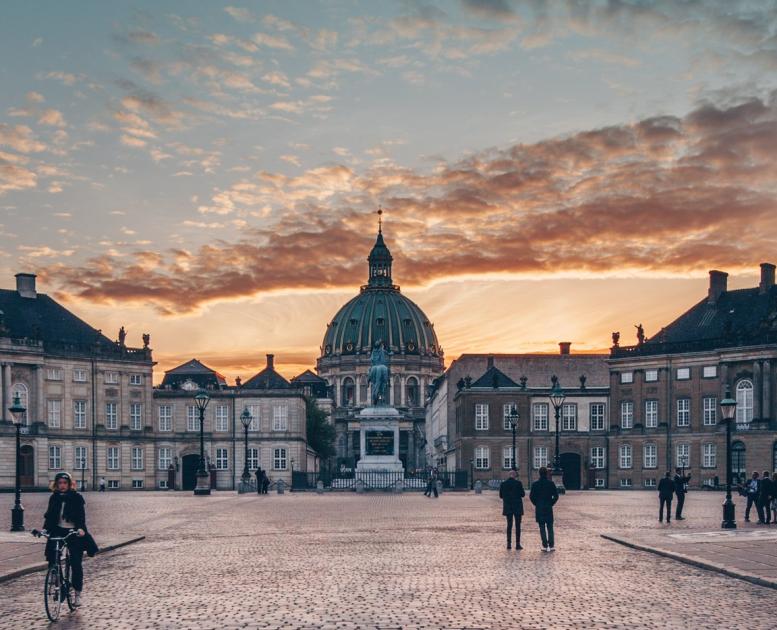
(494, 378)
(308, 376)
(195, 371)
(268, 378)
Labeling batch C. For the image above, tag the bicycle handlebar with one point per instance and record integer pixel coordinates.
(38, 533)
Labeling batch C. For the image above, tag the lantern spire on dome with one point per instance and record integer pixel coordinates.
(380, 259)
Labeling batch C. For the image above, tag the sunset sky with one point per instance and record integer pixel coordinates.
(209, 173)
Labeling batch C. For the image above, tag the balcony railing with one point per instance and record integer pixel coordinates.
(697, 345)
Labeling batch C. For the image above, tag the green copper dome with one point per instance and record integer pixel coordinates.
(380, 313)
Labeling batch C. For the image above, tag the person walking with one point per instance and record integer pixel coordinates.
(102, 484)
(511, 492)
(764, 505)
(665, 494)
(431, 484)
(543, 496)
(259, 474)
(751, 489)
(680, 489)
(265, 482)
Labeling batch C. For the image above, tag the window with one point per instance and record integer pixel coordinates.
(596, 411)
(136, 379)
(540, 456)
(650, 456)
(507, 409)
(113, 484)
(650, 483)
(627, 414)
(651, 376)
(481, 417)
(111, 417)
(165, 457)
(222, 459)
(280, 418)
(137, 484)
(683, 374)
(599, 482)
(79, 414)
(54, 374)
(411, 392)
(710, 411)
(79, 458)
(539, 414)
(744, 401)
(79, 375)
(709, 371)
(20, 390)
(507, 458)
(255, 417)
(738, 461)
(192, 418)
(279, 459)
(624, 456)
(136, 416)
(626, 483)
(482, 457)
(55, 457)
(710, 455)
(253, 458)
(222, 418)
(348, 390)
(597, 457)
(112, 378)
(137, 458)
(162, 484)
(651, 413)
(627, 377)
(54, 413)
(165, 418)
(683, 455)
(112, 457)
(569, 417)
(683, 412)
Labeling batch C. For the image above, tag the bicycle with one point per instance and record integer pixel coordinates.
(57, 587)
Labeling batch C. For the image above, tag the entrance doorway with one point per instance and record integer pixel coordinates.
(27, 467)
(570, 464)
(189, 466)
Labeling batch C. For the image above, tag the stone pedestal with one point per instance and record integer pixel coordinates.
(203, 483)
(379, 441)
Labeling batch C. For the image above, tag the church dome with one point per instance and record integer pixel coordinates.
(380, 313)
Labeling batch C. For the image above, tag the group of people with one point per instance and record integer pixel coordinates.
(543, 496)
(668, 488)
(431, 483)
(262, 481)
(761, 491)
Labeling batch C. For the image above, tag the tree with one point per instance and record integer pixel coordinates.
(321, 434)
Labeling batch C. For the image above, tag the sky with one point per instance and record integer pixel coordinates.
(554, 171)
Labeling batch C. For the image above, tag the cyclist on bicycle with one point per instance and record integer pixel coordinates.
(67, 511)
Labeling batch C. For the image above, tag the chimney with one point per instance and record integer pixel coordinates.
(25, 285)
(271, 361)
(490, 362)
(718, 285)
(564, 346)
(767, 277)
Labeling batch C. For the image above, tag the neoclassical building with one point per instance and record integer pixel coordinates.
(380, 313)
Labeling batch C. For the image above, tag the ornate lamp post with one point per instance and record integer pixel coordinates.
(201, 399)
(728, 408)
(557, 397)
(513, 419)
(245, 419)
(17, 512)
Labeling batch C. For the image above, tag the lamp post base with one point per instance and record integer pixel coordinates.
(203, 483)
(17, 518)
(729, 518)
(557, 477)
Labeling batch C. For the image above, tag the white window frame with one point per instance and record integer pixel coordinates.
(138, 457)
(709, 405)
(481, 417)
(627, 414)
(506, 408)
(569, 417)
(280, 458)
(650, 455)
(136, 379)
(625, 456)
(540, 414)
(540, 457)
(80, 458)
(280, 418)
(165, 418)
(627, 378)
(651, 375)
(79, 375)
(221, 418)
(54, 412)
(598, 457)
(192, 418)
(114, 484)
(256, 415)
(136, 416)
(651, 413)
(683, 412)
(683, 450)
(79, 414)
(597, 418)
(744, 398)
(112, 458)
(54, 374)
(709, 455)
(222, 459)
(112, 378)
(683, 374)
(649, 482)
(253, 458)
(482, 458)
(111, 416)
(709, 371)
(507, 458)
(55, 457)
(626, 482)
(137, 484)
(164, 457)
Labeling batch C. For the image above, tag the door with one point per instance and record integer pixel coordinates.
(27, 467)
(190, 464)
(570, 464)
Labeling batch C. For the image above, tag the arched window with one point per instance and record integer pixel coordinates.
(397, 392)
(342, 445)
(364, 394)
(738, 464)
(21, 390)
(411, 392)
(744, 401)
(347, 392)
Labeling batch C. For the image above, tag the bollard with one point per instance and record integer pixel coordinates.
(319, 487)
(359, 486)
(478, 487)
(399, 487)
(281, 485)
(439, 487)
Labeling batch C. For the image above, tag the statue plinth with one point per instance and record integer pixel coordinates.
(379, 440)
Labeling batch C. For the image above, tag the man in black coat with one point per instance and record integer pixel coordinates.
(665, 493)
(765, 491)
(543, 496)
(511, 492)
(680, 482)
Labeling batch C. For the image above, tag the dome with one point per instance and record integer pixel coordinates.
(380, 313)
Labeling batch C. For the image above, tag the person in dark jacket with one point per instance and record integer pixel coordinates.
(511, 492)
(543, 496)
(66, 511)
(752, 491)
(431, 484)
(680, 482)
(259, 473)
(665, 493)
(765, 491)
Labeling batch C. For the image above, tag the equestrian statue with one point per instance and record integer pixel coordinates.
(378, 376)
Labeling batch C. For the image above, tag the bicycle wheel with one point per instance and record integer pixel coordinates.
(68, 586)
(51, 593)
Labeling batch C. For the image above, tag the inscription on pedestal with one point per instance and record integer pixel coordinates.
(379, 442)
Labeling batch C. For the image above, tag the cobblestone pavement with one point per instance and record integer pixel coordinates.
(388, 561)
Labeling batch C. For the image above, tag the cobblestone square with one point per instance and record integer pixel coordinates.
(386, 561)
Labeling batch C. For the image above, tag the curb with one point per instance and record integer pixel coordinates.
(33, 568)
(695, 562)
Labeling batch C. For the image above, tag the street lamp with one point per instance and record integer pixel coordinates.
(513, 419)
(245, 419)
(201, 399)
(17, 512)
(728, 408)
(557, 397)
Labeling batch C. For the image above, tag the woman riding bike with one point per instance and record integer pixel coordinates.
(66, 511)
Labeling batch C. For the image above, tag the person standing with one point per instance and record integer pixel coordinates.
(665, 493)
(259, 474)
(751, 489)
(511, 492)
(765, 492)
(774, 498)
(543, 496)
(431, 484)
(680, 488)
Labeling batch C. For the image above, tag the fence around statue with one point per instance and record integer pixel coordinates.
(377, 480)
